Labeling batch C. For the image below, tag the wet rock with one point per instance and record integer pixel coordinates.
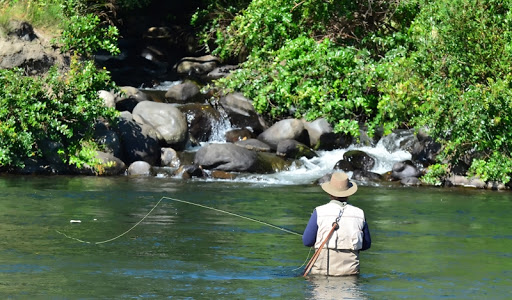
(241, 113)
(195, 66)
(254, 144)
(138, 168)
(168, 122)
(294, 149)
(404, 139)
(216, 174)
(269, 163)
(226, 157)
(221, 72)
(426, 150)
(129, 97)
(190, 171)
(344, 166)
(138, 142)
(366, 176)
(410, 181)
(169, 158)
(236, 135)
(404, 169)
(359, 160)
(202, 120)
(184, 92)
(289, 129)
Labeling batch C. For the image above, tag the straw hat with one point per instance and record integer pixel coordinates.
(339, 185)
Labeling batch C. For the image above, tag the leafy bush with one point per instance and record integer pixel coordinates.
(85, 36)
(308, 79)
(268, 24)
(60, 108)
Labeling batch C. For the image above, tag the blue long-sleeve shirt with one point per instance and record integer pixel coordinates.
(309, 236)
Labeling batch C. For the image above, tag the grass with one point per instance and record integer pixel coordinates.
(46, 15)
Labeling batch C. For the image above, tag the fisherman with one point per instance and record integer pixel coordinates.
(339, 229)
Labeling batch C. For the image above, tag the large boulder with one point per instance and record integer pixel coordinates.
(322, 137)
(403, 139)
(253, 144)
(203, 121)
(360, 160)
(404, 169)
(138, 142)
(226, 157)
(108, 139)
(108, 165)
(426, 150)
(196, 66)
(23, 47)
(166, 119)
(138, 168)
(241, 113)
(289, 129)
(129, 97)
(187, 91)
(294, 149)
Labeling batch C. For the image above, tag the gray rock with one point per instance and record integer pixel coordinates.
(168, 122)
(138, 168)
(169, 158)
(294, 149)
(226, 157)
(289, 129)
(183, 92)
(404, 169)
(254, 144)
(138, 142)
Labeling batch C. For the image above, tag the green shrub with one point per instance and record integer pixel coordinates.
(60, 108)
(84, 35)
(308, 79)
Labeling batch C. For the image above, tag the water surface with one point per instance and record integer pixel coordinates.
(428, 243)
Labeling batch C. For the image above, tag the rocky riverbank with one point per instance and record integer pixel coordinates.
(157, 129)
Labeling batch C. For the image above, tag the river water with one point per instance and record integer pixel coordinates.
(428, 243)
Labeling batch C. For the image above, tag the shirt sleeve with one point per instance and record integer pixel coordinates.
(367, 239)
(309, 236)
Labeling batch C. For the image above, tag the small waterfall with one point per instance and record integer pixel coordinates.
(220, 127)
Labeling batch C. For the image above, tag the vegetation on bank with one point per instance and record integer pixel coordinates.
(443, 66)
(60, 107)
(440, 65)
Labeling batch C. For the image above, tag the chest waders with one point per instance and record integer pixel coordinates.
(335, 226)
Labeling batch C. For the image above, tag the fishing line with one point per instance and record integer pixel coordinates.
(236, 215)
(116, 237)
(182, 201)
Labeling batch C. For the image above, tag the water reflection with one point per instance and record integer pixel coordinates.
(343, 287)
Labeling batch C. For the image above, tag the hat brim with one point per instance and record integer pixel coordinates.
(327, 187)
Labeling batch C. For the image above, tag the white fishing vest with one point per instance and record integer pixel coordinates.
(349, 236)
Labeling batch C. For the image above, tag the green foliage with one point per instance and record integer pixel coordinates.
(60, 108)
(455, 81)
(496, 167)
(308, 79)
(436, 174)
(47, 14)
(84, 35)
(440, 65)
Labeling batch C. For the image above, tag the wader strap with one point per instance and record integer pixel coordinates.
(335, 226)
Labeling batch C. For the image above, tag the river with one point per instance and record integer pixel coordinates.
(79, 238)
